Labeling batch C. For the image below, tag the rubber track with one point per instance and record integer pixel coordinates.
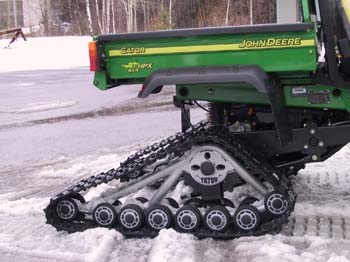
(176, 146)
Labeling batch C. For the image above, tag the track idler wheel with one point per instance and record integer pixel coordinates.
(247, 218)
(188, 218)
(131, 217)
(276, 203)
(159, 217)
(67, 209)
(105, 215)
(217, 218)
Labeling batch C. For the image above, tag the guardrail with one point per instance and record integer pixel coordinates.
(17, 32)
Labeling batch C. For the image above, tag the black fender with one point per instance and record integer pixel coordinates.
(253, 75)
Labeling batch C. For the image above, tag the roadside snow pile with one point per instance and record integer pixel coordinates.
(44, 53)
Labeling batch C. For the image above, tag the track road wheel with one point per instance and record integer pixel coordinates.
(159, 217)
(217, 218)
(188, 218)
(131, 217)
(67, 209)
(276, 203)
(247, 218)
(105, 215)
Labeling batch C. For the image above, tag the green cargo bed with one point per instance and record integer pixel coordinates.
(289, 50)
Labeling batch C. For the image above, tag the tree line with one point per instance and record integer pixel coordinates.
(89, 17)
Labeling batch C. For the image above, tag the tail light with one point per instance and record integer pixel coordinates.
(93, 56)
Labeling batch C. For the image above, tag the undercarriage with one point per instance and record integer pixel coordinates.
(210, 181)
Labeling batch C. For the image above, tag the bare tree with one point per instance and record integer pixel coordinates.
(251, 11)
(8, 14)
(113, 17)
(14, 3)
(98, 17)
(130, 11)
(227, 12)
(171, 2)
(88, 12)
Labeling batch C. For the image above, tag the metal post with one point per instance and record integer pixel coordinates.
(185, 118)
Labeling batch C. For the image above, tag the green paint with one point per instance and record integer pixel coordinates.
(306, 11)
(100, 80)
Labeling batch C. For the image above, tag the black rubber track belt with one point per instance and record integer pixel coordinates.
(176, 146)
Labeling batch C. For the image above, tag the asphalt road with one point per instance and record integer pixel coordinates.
(47, 114)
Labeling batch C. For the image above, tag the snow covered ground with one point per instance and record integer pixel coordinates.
(55, 128)
(44, 53)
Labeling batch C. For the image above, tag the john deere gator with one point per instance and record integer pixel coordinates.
(277, 97)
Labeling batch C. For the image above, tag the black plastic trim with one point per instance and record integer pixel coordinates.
(344, 19)
(328, 20)
(264, 28)
(253, 75)
(265, 141)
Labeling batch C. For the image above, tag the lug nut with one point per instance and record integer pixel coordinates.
(314, 157)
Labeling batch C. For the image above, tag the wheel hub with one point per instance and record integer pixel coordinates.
(158, 219)
(216, 220)
(276, 204)
(129, 218)
(246, 219)
(66, 209)
(105, 215)
(187, 220)
(208, 168)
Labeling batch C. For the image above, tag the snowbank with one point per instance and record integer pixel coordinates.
(44, 53)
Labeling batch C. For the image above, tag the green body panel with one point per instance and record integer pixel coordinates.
(243, 94)
(209, 50)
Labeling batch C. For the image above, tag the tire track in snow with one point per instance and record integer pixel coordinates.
(323, 226)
